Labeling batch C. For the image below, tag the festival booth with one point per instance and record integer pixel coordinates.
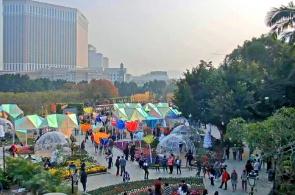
(11, 112)
(25, 126)
(61, 122)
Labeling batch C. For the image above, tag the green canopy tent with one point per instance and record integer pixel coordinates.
(24, 124)
(120, 114)
(13, 111)
(133, 105)
(62, 122)
(162, 105)
(152, 110)
(118, 106)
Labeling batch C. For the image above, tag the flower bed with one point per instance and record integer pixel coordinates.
(21, 150)
(91, 169)
(141, 187)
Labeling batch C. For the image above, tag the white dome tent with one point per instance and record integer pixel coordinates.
(187, 131)
(51, 141)
(181, 130)
(170, 144)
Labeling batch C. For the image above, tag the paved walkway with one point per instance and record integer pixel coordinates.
(262, 188)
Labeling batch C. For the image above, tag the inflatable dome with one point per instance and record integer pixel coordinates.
(51, 141)
(171, 144)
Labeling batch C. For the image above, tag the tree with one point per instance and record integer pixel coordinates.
(276, 133)
(281, 21)
(255, 80)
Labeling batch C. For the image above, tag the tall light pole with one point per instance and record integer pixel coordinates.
(2, 137)
(72, 170)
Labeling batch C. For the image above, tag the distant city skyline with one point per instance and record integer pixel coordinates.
(169, 34)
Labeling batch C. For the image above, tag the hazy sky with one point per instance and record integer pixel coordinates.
(149, 35)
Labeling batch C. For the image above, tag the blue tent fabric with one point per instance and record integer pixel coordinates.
(152, 123)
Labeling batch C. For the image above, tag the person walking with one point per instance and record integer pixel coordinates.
(216, 168)
(256, 166)
(164, 164)
(235, 149)
(110, 159)
(249, 167)
(141, 159)
(157, 164)
(92, 138)
(131, 136)
(212, 174)
(95, 146)
(189, 157)
(117, 163)
(241, 151)
(145, 168)
(244, 180)
(122, 165)
(158, 187)
(234, 180)
(126, 177)
(126, 152)
(170, 164)
(83, 179)
(199, 168)
(132, 152)
(178, 165)
(13, 149)
(111, 144)
(76, 177)
(224, 179)
(83, 146)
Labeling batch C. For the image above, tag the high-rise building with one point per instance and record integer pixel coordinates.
(105, 62)
(116, 74)
(95, 60)
(39, 35)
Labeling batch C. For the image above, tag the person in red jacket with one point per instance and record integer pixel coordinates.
(224, 179)
(13, 149)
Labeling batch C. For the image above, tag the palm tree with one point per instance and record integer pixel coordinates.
(281, 20)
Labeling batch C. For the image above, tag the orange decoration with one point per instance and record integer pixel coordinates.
(100, 135)
(85, 127)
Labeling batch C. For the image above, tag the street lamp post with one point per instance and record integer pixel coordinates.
(72, 170)
(276, 157)
(2, 137)
(252, 181)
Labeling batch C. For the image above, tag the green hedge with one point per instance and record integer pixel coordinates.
(79, 107)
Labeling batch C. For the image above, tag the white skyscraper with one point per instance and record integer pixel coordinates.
(39, 35)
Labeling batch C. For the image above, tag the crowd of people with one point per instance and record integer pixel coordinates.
(217, 171)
